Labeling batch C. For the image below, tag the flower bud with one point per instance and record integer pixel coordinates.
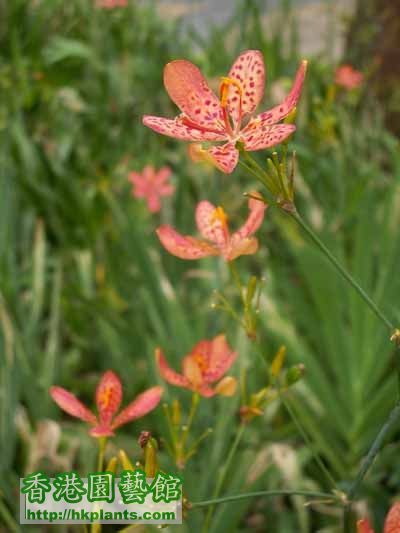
(294, 374)
(227, 386)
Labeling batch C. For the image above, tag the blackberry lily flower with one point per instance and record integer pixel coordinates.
(108, 401)
(212, 223)
(205, 117)
(207, 363)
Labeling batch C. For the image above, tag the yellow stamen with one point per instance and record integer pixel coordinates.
(105, 397)
(224, 89)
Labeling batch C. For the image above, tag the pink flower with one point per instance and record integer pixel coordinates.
(152, 185)
(108, 401)
(348, 77)
(111, 4)
(206, 364)
(205, 117)
(212, 223)
(392, 522)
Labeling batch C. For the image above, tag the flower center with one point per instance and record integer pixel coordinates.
(220, 216)
(105, 397)
(201, 362)
(226, 84)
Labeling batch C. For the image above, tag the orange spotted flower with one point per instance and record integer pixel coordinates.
(212, 223)
(152, 185)
(205, 117)
(348, 77)
(392, 522)
(207, 363)
(108, 401)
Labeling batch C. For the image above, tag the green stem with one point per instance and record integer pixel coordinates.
(268, 493)
(100, 457)
(375, 449)
(222, 476)
(321, 246)
(308, 442)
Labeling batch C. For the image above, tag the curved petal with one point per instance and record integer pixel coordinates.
(108, 397)
(212, 222)
(239, 246)
(188, 88)
(184, 247)
(221, 359)
(257, 136)
(143, 404)
(175, 128)
(153, 203)
(364, 527)
(172, 377)
(192, 371)
(69, 403)
(254, 220)
(277, 113)
(249, 71)
(163, 175)
(224, 157)
(392, 522)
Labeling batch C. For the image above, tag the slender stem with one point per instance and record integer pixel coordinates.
(222, 475)
(295, 215)
(375, 449)
(193, 409)
(271, 493)
(100, 457)
(307, 440)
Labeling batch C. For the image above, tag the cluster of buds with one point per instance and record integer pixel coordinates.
(178, 447)
(280, 380)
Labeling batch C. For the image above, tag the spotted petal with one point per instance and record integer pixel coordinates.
(225, 157)
(211, 222)
(277, 113)
(143, 404)
(69, 403)
(249, 71)
(257, 135)
(184, 246)
(188, 88)
(254, 220)
(172, 377)
(108, 397)
(177, 129)
(392, 522)
(221, 359)
(239, 246)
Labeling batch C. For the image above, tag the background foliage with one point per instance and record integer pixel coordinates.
(85, 285)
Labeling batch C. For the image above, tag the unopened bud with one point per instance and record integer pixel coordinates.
(124, 460)
(294, 374)
(112, 465)
(143, 439)
(176, 412)
(150, 457)
(227, 386)
(278, 361)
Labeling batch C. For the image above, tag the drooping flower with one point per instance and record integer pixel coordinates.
(392, 522)
(152, 185)
(111, 4)
(108, 401)
(348, 77)
(205, 117)
(207, 363)
(212, 223)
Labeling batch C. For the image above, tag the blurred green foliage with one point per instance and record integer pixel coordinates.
(85, 285)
